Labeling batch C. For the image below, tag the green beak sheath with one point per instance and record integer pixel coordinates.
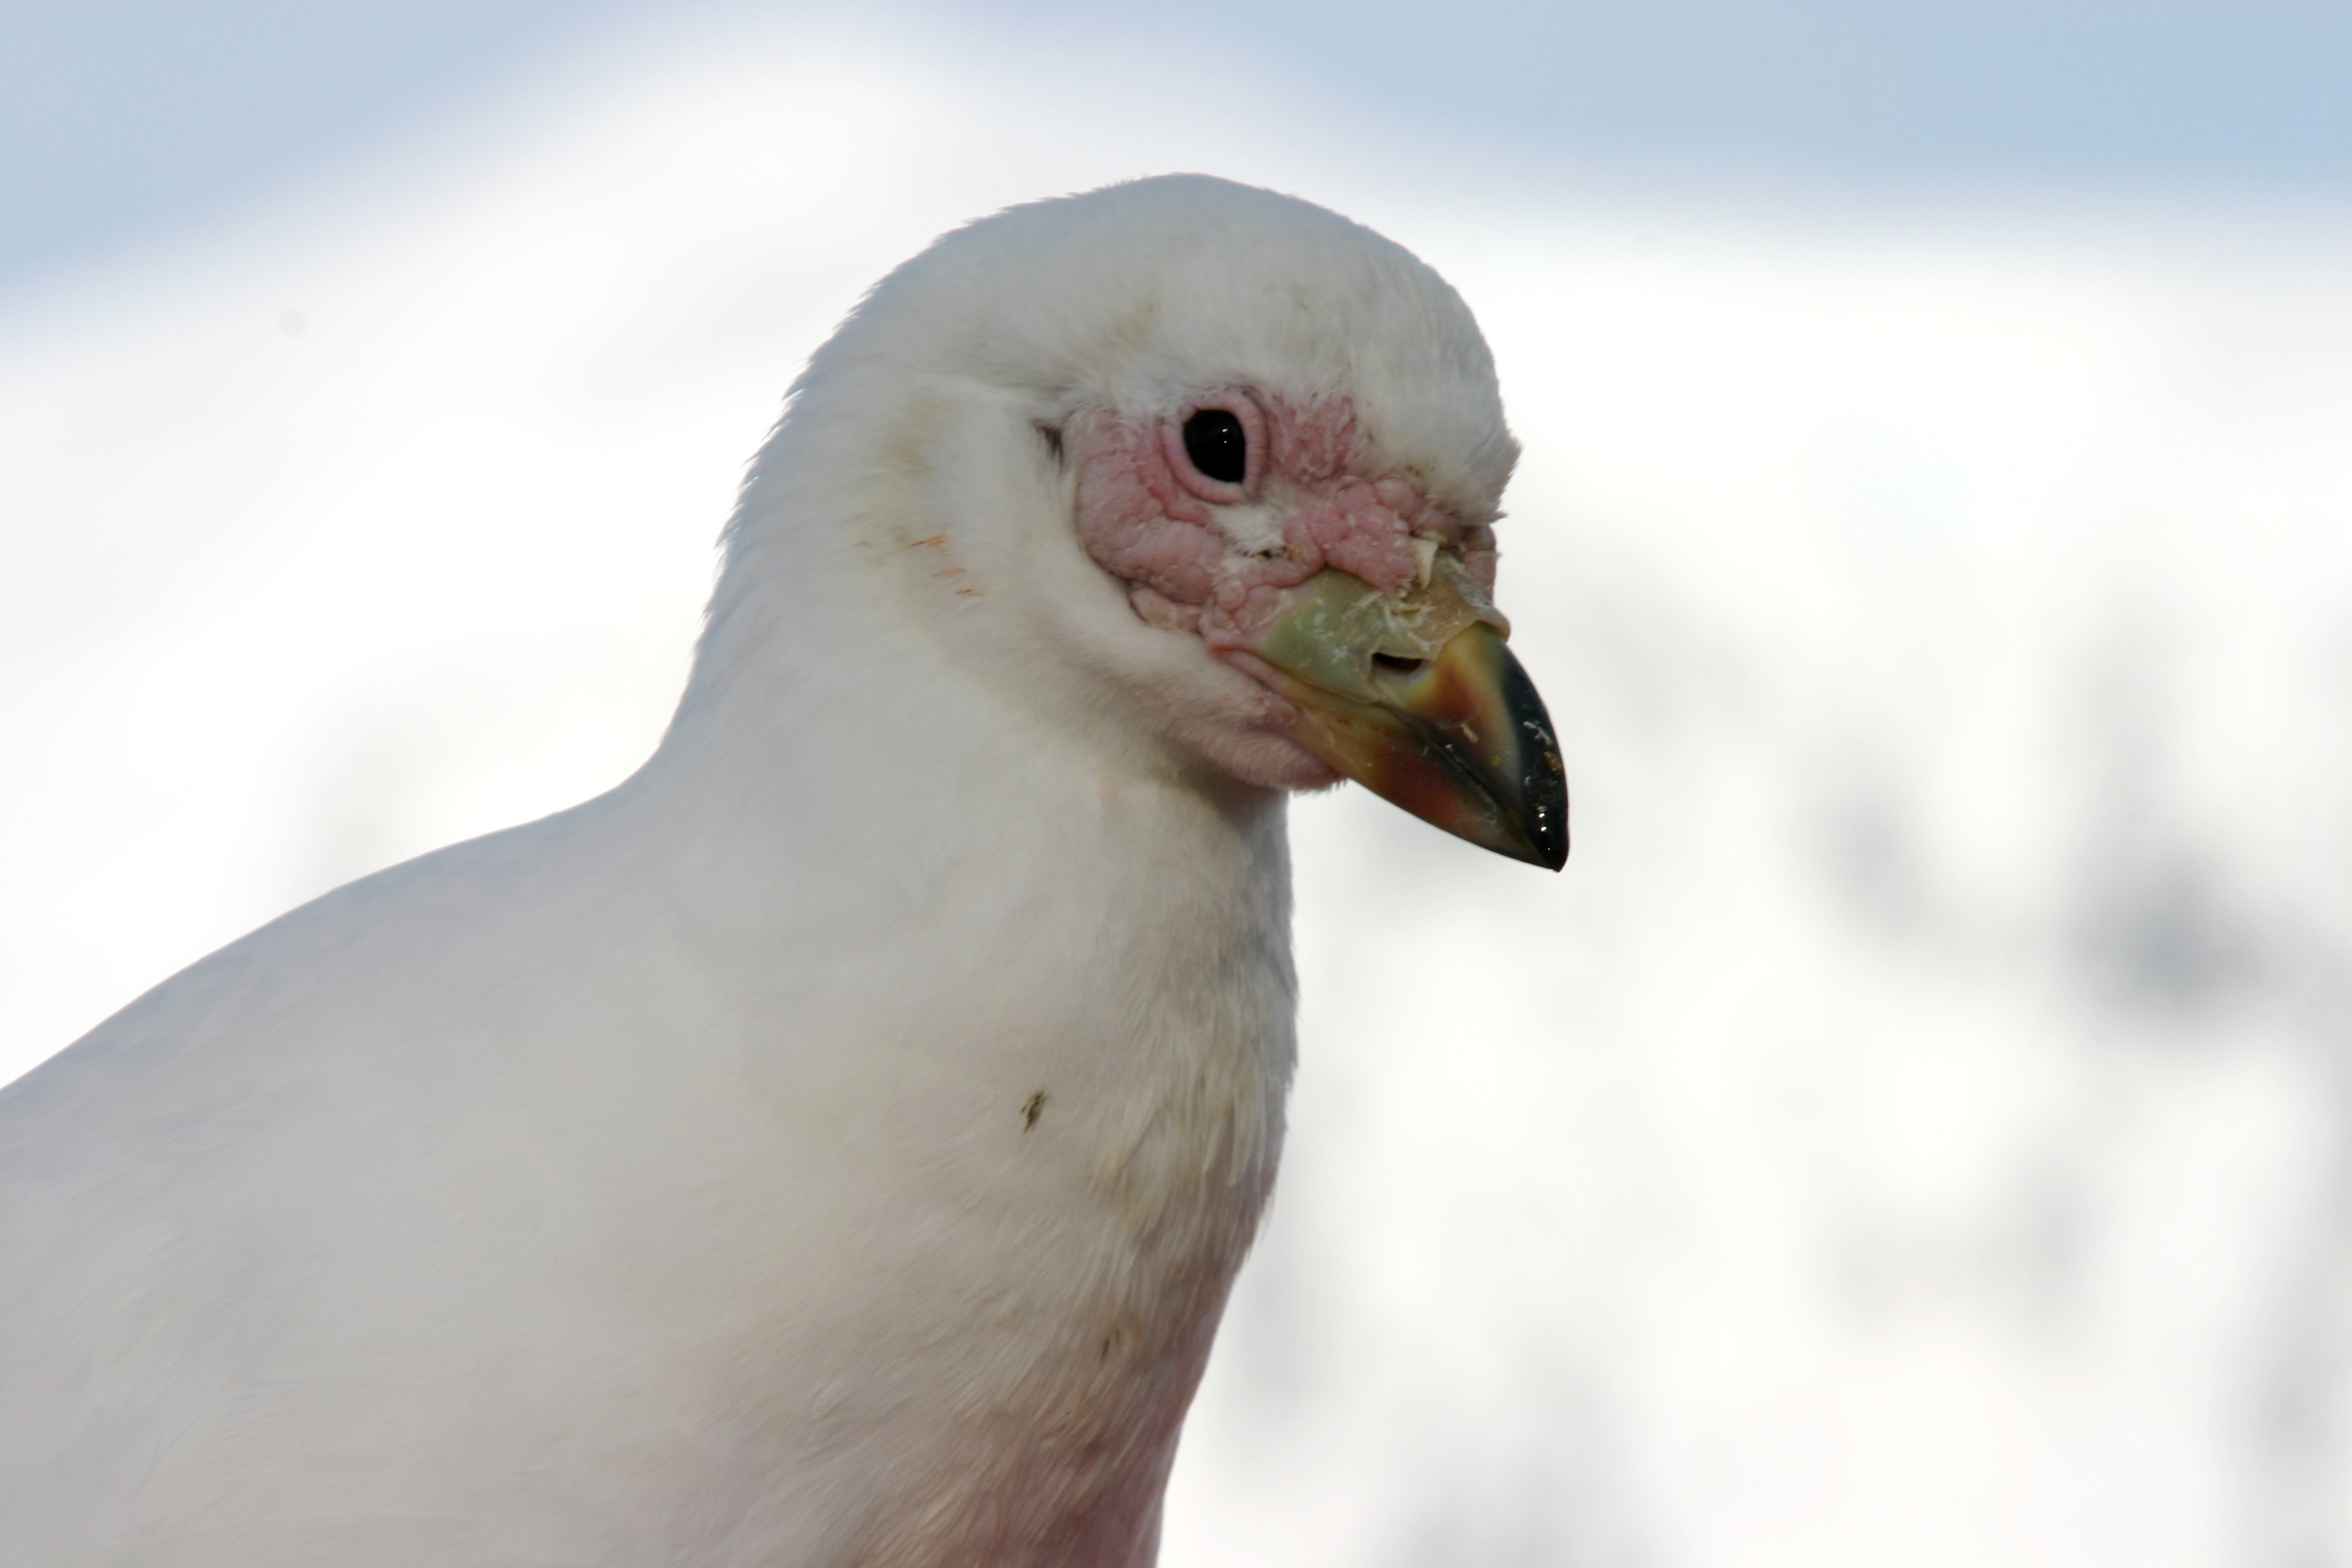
(1418, 699)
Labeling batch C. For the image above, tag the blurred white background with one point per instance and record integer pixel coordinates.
(1917, 1128)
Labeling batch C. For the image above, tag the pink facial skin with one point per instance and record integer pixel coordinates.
(1151, 518)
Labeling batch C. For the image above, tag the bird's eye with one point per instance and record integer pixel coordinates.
(1218, 446)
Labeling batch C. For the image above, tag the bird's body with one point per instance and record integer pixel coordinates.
(832, 1146)
(635, 1229)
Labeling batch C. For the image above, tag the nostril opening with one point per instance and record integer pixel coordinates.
(1395, 666)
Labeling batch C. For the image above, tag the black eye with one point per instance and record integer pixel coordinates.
(1214, 440)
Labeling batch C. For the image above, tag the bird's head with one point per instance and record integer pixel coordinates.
(1206, 474)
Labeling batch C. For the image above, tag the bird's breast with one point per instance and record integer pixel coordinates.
(1037, 1169)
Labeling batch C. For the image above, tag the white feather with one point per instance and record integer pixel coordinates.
(835, 1144)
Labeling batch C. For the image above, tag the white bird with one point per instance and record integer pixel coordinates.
(835, 1144)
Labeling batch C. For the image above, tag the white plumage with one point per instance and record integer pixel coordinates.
(835, 1144)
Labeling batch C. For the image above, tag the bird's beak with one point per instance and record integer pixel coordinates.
(1417, 698)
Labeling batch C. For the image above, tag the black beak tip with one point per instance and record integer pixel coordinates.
(1551, 851)
(1541, 816)
(1544, 822)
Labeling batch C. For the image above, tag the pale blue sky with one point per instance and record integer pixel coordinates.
(121, 120)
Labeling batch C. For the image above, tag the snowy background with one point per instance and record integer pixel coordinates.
(1917, 1129)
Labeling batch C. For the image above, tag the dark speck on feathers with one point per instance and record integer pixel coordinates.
(1031, 1108)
